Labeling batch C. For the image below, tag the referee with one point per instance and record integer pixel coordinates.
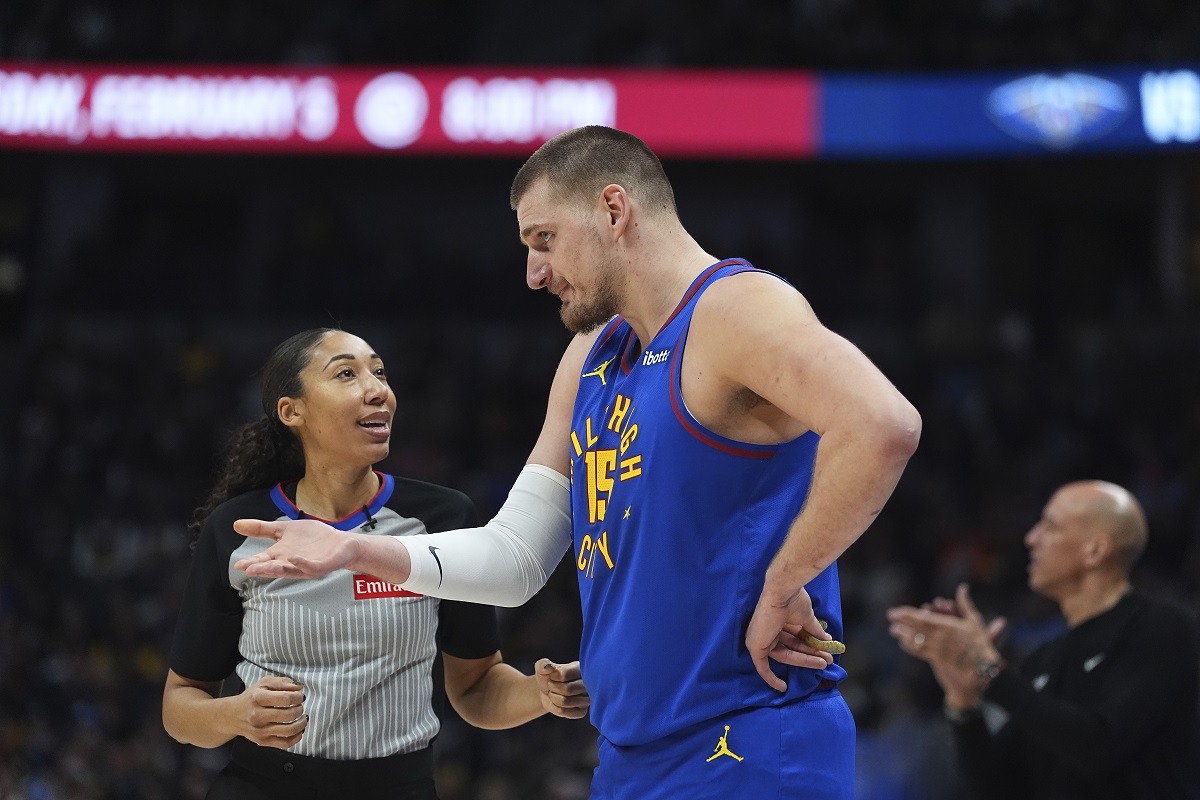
(337, 672)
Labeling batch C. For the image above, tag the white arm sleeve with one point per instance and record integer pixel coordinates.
(505, 562)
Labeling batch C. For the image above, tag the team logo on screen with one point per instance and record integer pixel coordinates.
(1060, 111)
(391, 110)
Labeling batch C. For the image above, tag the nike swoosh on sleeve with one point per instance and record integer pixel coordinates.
(433, 551)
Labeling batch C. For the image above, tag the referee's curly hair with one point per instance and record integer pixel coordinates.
(263, 452)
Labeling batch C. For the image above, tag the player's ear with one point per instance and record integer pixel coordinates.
(289, 411)
(615, 201)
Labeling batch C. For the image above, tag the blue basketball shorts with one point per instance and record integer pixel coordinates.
(802, 750)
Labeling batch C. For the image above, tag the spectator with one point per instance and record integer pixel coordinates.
(1106, 710)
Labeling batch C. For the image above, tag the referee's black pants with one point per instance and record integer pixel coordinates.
(267, 773)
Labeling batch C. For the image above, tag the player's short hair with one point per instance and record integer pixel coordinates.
(581, 162)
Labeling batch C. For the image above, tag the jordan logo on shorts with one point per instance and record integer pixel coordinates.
(722, 748)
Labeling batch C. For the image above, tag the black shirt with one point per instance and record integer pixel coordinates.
(1107, 710)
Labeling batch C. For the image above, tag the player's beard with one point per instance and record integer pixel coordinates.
(585, 315)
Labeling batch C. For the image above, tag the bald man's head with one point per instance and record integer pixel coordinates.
(1115, 511)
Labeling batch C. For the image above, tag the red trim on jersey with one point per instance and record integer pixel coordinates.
(701, 434)
(284, 496)
(626, 363)
(612, 328)
(698, 284)
(609, 330)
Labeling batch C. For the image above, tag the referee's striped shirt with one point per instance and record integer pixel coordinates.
(362, 648)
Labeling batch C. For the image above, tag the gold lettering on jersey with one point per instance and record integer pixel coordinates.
(602, 548)
(585, 549)
(587, 433)
(600, 465)
(631, 467)
(620, 409)
(628, 436)
(588, 549)
(603, 468)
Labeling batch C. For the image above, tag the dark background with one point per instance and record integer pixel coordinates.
(1041, 313)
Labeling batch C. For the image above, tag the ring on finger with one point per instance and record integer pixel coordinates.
(918, 640)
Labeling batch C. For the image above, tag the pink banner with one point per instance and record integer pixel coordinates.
(422, 111)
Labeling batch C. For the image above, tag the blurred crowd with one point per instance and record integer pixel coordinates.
(819, 34)
(1028, 309)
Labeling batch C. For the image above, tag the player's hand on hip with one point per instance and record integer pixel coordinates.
(270, 712)
(777, 631)
(561, 689)
(304, 548)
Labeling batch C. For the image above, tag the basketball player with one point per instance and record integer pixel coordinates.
(712, 449)
(337, 671)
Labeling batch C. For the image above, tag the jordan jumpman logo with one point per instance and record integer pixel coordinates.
(599, 371)
(722, 748)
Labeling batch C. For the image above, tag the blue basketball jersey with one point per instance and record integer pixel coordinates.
(674, 527)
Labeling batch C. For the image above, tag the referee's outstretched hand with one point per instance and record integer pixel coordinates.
(303, 548)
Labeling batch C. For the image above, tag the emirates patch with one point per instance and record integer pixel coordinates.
(368, 587)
